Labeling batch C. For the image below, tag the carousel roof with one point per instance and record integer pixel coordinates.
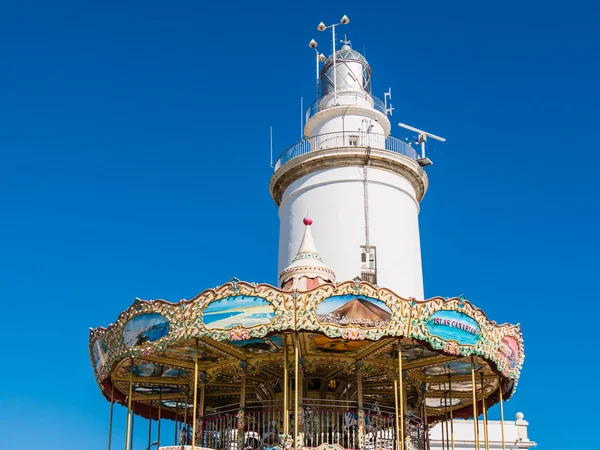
(243, 328)
(307, 270)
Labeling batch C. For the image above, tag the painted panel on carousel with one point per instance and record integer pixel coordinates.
(324, 344)
(175, 404)
(451, 368)
(509, 351)
(353, 310)
(154, 390)
(265, 345)
(187, 352)
(100, 353)
(440, 402)
(238, 311)
(145, 328)
(454, 326)
(156, 370)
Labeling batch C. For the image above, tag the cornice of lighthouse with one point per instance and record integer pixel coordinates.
(316, 121)
(337, 157)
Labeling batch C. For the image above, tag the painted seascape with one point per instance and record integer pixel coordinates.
(238, 311)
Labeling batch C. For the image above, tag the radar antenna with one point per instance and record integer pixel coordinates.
(422, 139)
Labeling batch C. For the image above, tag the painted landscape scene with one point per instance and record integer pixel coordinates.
(145, 328)
(238, 311)
(354, 310)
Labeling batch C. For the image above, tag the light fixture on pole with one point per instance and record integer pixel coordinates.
(320, 58)
(322, 27)
(422, 139)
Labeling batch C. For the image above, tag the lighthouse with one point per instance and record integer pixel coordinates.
(361, 185)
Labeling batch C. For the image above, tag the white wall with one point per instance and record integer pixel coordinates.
(515, 435)
(334, 199)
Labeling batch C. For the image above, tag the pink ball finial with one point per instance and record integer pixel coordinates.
(308, 221)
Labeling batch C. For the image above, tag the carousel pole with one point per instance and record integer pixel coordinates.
(401, 398)
(296, 388)
(159, 416)
(176, 419)
(361, 413)
(286, 400)
(474, 389)
(195, 396)
(110, 420)
(451, 416)
(150, 426)
(445, 424)
(185, 418)
(426, 431)
(242, 409)
(443, 439)
(501, 413)
(397, 414)
(132, 422)
(129, 419)
(484, 409)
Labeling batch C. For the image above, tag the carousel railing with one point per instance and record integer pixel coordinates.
(323, 422)
(330, 422)
(220, 427)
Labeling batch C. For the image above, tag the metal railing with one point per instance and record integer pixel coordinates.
(347, 139)
(323, 422)
(345, 99)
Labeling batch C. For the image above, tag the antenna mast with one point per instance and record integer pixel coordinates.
(422, 139)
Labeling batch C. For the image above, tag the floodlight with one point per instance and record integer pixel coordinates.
(345, 20)
(321, 27)
(312, 43)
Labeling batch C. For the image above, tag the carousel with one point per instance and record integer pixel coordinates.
(311, 364)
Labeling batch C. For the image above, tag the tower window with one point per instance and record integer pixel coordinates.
(353, 141)
(368, 264)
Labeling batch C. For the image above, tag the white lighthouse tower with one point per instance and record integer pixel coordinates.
(361, 186)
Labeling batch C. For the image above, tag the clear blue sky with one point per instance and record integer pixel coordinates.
(134, 150)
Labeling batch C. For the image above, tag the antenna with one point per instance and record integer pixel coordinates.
(271, 138)
(422, 139)
(388, 94)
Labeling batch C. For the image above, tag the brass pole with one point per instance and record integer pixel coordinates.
(110, 420)
(202, 389)
(286, 400)
(359, 388)
(128, 429)
(401, 397)
(397, 414)
(296, 389)
(474, 389)
(451, 408)
(159, 416)
(176, 419)
(425, 430)
(150, 426)
(443, 440)
(446, 417)
(501, 414)
(185, 417)
(132, 423)
(195, 396)
(484, 409)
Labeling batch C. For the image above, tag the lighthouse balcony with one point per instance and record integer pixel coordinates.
(347, 140)
(346, 98)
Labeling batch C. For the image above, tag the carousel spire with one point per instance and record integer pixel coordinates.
(307, 270)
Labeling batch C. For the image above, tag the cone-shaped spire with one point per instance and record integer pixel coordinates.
(307, 270)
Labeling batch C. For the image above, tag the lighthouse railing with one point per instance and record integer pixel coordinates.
(345, 98)
(347, 139)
